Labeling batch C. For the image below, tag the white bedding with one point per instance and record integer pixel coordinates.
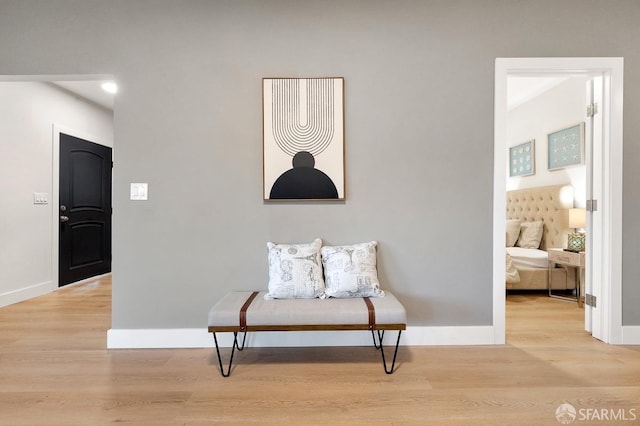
(528, 258)
(512, 275)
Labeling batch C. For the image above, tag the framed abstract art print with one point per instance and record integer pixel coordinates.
(303, 139)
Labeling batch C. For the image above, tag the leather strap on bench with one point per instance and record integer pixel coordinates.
(243, 311)
(372, 313)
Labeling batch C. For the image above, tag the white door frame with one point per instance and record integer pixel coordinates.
(610, 300)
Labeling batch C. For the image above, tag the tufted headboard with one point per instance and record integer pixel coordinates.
(549, 204)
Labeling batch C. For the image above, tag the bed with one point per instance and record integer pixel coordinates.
(537, 219)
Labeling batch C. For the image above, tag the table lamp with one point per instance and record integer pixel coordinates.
(577, 221)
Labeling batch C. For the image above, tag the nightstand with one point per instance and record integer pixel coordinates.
(558, 256)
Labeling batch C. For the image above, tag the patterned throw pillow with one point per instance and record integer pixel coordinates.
(350, 271)
(295, 271)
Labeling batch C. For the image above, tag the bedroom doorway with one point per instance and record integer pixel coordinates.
(604, 247)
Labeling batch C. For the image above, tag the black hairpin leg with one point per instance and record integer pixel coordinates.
(233, 349)
(244, 338)
(378, 345)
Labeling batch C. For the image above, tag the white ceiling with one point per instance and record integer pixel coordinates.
(90, 90)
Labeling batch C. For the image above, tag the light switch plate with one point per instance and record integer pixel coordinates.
(139, 191)
(40, 198)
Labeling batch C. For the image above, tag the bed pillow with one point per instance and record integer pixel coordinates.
(295, 271)
(350, 271)
(513, 232)
(530, 235)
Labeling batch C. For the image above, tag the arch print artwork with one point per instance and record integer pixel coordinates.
(303, 138)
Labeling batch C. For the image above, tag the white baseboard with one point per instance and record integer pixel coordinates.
(631, 335)
(20, 295)
(15, 296)
(200, 338)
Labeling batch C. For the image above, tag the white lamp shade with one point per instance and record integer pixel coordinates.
(577, 218)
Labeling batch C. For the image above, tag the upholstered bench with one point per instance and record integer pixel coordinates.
(242, 312)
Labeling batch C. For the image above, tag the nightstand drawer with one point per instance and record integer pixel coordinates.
(566, 257)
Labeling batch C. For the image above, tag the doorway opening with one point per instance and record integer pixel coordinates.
(604, 183)
(38, 108)
(546, 182)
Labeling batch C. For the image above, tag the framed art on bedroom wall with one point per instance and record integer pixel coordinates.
(522, 159)
(303, 138)
(565, 147)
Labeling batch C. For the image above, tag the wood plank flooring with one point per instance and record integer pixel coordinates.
(55, 370)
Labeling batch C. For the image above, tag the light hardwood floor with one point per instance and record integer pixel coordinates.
(55, 369)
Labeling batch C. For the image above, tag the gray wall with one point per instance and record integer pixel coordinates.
(419, 135)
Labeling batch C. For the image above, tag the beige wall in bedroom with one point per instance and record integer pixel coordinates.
(559, 107)
(419, 100)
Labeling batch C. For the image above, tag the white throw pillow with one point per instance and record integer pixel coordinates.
(350, 271)
(513, 232)
(295, 271)
(530, 234)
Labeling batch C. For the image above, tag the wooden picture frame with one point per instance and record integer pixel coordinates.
(303, 139)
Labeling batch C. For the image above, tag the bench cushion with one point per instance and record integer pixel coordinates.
(301, 314)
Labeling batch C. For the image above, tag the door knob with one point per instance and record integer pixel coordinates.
(64, 219)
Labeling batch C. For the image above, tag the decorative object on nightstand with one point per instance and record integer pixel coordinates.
(577, 221)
